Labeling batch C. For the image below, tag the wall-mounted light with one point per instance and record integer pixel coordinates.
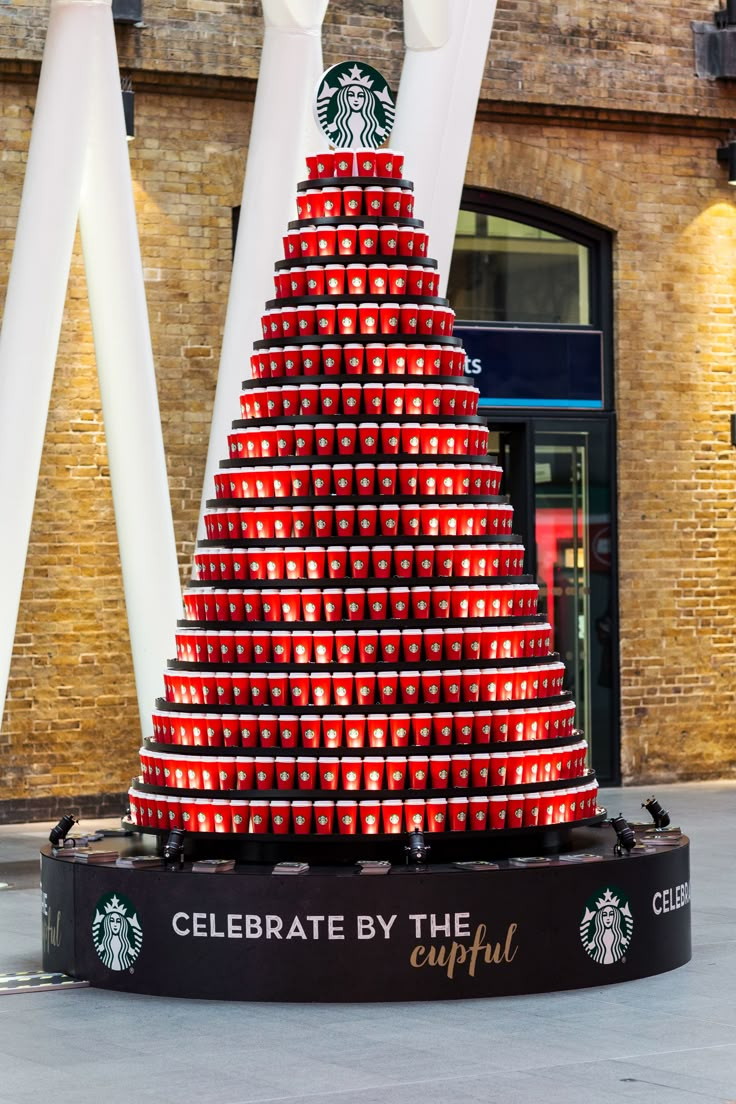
(727, 155)
(127, 11)
(726, 17)
(126, 86)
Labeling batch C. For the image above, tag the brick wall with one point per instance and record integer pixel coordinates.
(675, 224)
(611, 153)
(71, 720)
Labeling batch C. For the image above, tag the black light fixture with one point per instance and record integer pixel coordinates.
(126, 87)
(417, 850)
(726, 17)
(727, 155)
(60, 831)
(659, 815)
(127, 11)
(174, 846)
(625, 838)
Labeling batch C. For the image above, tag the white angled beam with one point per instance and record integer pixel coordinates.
(282, 133)
(78, 158)
(37, 285)
(127, 379)
(446, 48)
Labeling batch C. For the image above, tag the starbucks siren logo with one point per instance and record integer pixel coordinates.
(607, 926)
(354, 106)
(116, 932)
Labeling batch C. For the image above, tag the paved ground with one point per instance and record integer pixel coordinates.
(664, 1040)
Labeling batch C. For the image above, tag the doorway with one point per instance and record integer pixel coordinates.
(558, 474)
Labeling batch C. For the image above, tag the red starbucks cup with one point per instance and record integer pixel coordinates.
(365, 689)
(431, 686)
(439, 770)
(388, 687)
(285, 772)
(498, 768)
(366, 519)
(477, 814)
(532, 806)
(419, 772)
(301, 817)
(460, 770)
(457, 809)
(347, 316)
(373, 200)
(396, 772)
(370, 817)
(410, 687)
(389, 314)
(239, 816)
(355, 603)
(442, 729)
(352, 200)
(388, 239)
(497, 810)
(368, 645)
(368, 239)
(342, 688)
(377, 729)
(436, 814)
(280, 817)
(306, 772)
(421, 729)
(351, 773)
(355, 726)
(347, 240)
(329, 773)
(259, 817)
(515, 811)
(335, 279)
(288, 731)
(347, 817)
(392, 816)
(265, 770)
(324, 817)
(378, 279)
(400, 727)
(373, 770)
(414, 813)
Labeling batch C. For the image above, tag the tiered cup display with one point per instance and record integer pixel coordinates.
(362, 653)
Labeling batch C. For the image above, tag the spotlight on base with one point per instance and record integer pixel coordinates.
(625, 838)
(659, 815)
(417, 851)
(60, 831)
(174, 846)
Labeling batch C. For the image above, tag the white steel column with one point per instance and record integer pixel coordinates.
(79, 135)
(127, 377)
(282, 133)
(446, 48)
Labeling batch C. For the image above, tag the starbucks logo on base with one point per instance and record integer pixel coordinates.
(116, 932)
(607, 926)
(354, 107)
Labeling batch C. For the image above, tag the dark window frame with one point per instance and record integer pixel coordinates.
(597, 239)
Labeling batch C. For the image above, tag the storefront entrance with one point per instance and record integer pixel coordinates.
(558, 475)
(539, 348)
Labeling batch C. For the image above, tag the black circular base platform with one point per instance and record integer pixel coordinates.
(481, 928)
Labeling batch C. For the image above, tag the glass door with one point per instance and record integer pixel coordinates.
(575, 570)
(558, 475)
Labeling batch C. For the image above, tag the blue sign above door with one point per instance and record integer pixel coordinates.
(528, 367)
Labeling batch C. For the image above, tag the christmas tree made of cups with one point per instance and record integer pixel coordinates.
(362, 653)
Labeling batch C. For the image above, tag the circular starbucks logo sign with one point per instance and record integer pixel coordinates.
(116, 932)
(354, 106)
(607, 926)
